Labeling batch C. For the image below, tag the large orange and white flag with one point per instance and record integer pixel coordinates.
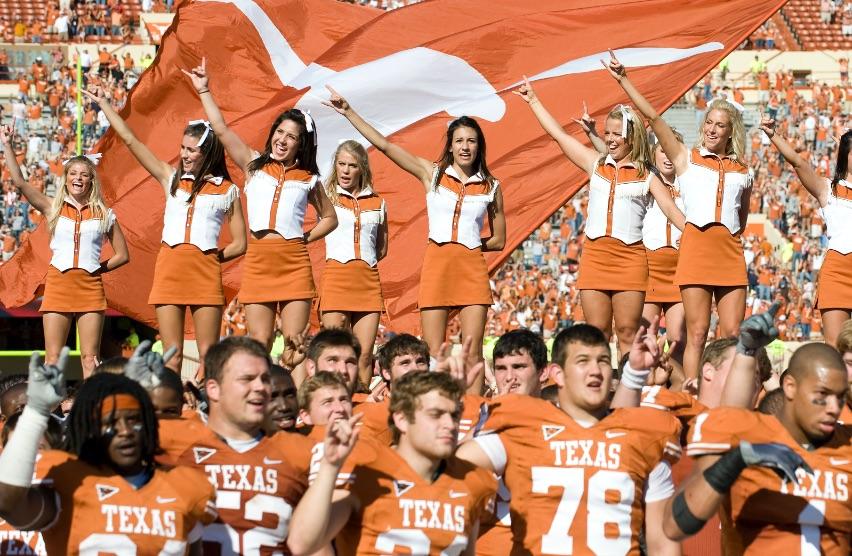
(410, 72)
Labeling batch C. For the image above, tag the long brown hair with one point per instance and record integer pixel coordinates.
(479, 163)
(212, 161)
(306, 153)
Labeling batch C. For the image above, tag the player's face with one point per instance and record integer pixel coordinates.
(190, 154)
(285, 141)
(435, 428)
(124, 430)
(711, 392)
(13, 400)
(283, 406)
(328, 404)
(348, 170)
(341, 360)
(465, 146)
(616, 144)
(847, 360)
(404, 364)
(168, 404)
(78, 180)
(244, 391)
(818, 400)
(516, 374)
(585, 377)
(717, 130)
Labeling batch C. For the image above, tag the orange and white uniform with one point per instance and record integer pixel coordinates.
(350, 281)
(618, 200)
(764, 514)
(15, 541)
(713, 190)
(661, 239)
(258, 483)
(454, 271)
(187, 271)
(102, 513)
(73, 284)
(579, 489)
(400, 513)
(835, 276)
(277, 267)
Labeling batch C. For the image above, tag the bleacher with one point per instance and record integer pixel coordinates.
(38, 10)
(803, 19)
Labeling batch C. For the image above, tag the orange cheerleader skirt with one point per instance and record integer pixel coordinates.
(834, 286)
(710, 256)
(72, 291)
(662, 264)
(185, 275)
(276, 269)
(453, 276)
(609, 264)
(351, 287)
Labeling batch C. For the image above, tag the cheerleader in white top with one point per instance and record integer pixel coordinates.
(351, 294)
(661, 238)
(715, 186)
(834, 285)
(79, 223)
(280, 183)
(200, 197)
(621, 186)
(460, 194)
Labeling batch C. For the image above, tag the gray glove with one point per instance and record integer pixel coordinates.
(46, 383)
(757, 331)
(778, 457)
(146, 366)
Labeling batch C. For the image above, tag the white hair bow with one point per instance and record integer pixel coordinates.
(309, 124)
(625, 118)
(94, 158)
(207, 129)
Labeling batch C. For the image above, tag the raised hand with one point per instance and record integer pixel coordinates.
(586, 121)
(99, 96)
(456, 365)
(340, 438)
(526, 92)
(295, 348)
(146, 366)
(198, 76)
(767, 125)
(615, 68)
(6, 134)
(778, 457)
(645, 352)
(662, 371)
(46, 383)
(758, 331)
(336, 102)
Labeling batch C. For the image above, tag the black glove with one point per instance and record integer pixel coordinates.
(757, 331)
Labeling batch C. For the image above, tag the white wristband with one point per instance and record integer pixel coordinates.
(19, 456)
(433, 363)
(633, 379)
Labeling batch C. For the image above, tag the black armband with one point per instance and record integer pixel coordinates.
(722, 474)
(684, 518)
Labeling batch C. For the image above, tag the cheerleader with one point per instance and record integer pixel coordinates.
(199, 198)
(79, 222)
(834, 286)
(715, 186)
(280, 182)
(460, 193)
(351, 293)
(661, 237)
(620, 189)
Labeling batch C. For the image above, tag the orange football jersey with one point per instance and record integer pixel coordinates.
(14, 541)
(256, 490)
(683, 405)
(374, 423)
(101, 513)
(400, 513)
(577, 490)
(764, 514)
(495, 528)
